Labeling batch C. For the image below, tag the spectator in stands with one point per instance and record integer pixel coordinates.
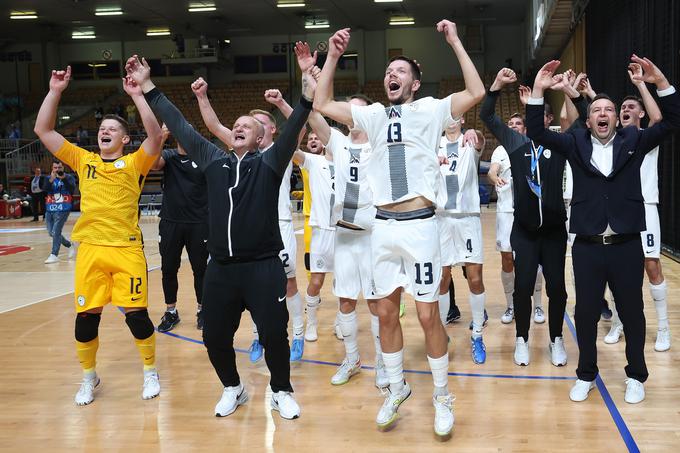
(37, 194)
(59, 187)
(131, 111)
(15, 132)
(98, 114)
(82, 138)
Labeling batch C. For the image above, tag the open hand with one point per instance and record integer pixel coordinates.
(60, 79)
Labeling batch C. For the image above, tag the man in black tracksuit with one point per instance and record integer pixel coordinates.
(244, 240)
(539, 235)
(184, 223)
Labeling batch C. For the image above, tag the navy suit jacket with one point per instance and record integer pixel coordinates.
(599, 200)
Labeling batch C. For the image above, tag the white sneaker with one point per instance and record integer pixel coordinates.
(539, 315)
(52, 259)
(521, 352)
(72, 251)
(615, 333)
(635, 391)
(381, 379)
(388, 412)
(346, 371)
(558, 355)
(232, 397)
(286, 405)
(663, 340)
(85, 394)
(443, 414)
(152, 385)
(508, 316)
(310, 331)
(579, 392)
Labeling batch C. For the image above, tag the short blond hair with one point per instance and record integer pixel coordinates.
(263, 112)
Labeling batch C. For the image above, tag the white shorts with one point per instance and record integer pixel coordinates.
(321, 250)
(352, 264)
(406, 254)
(289, 253)
(504, 222)
(651, 238)
(460, 239)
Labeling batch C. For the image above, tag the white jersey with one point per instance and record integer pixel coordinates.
(404, 141)
(321, 183)
(505, 200)
(284, 191)
(649, 177)
(353, 197)
(460, 181)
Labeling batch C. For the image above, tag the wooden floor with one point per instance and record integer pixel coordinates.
(499, 406)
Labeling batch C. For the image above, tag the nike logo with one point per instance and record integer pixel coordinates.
(281, 299)
(135, 299)
(648, 251)
(418, 293)
(226, 166)
(205, 240)
(631, 152)
(184, 161)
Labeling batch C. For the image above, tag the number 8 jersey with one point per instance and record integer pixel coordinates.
(404, 140)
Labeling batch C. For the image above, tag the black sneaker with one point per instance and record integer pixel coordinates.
(453, 315)
(168, 321)
(199, 320)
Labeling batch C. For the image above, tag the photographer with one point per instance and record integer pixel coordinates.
(59, 188)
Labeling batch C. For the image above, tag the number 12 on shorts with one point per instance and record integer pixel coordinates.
(424, 269)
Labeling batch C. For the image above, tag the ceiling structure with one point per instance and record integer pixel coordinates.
(58, 19)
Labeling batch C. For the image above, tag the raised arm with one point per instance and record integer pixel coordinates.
(509, 138)
(160, 162)
(324, 102)
(651, 107)
(473, 93)
(307, 61)
(152, 143)
(219, 130)
(47, 115)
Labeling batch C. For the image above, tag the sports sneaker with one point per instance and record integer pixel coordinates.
(521, 357)
(168, 321)
(297, 348)
(199, 320)
(614, 335)
(72, 251)
(232, 397)
(453, 315)
(381, 379)
(478, 350)
(558, 355)
(579, 392)
(256, 351)
(508, 316)
(443, 414)
(310, 331)
(663, 340)
(388, 412)
(402, 308)
(85, 394)
(486, 320)
(635, 391)
(152, 385)
(52, 259)
(539, 315)
(286, 405)
(345, 372)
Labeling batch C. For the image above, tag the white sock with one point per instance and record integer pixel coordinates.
(294, 304)
(312, 305)
(172, 310)
(440, 374)
(256, 336)
(538, 288)
(444, 304)
(375, 331)
(348, 327)
(477, 302)
(394, 365)
(659, 295)
(508, 280)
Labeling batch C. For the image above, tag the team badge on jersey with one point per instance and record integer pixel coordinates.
(81, 301)
(547, 154)
(119, 164)
(393, 111)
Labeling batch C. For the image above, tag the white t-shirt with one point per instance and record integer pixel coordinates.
(460, 181)
(284, 191)
(505, 200)
(649, 177)
(322, 185)
(567, 182)
(404, 141)
(353, 197)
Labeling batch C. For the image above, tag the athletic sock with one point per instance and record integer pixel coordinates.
(538, 287)
(87, 354)
(444, 304)
(477, 302)
(440, 374)
(375, 332)
(147, 350)
(659, 296)
(508, 280)
(294, 304)
(394, 366)
(312, 303)
(172, 310)
(348, 327)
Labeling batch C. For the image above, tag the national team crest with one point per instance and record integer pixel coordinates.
(393, 111)
(354, 156)
(119, 164)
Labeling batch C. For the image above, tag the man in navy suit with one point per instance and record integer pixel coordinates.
(607, 215)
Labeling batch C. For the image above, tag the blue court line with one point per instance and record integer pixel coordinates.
(609, 402)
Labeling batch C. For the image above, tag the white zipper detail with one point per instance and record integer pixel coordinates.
(231, 203)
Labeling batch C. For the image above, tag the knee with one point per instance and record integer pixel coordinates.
(347, 305)
(476, 283)
(428, 317)
(139, 323)
(87, 326)
(388, 315)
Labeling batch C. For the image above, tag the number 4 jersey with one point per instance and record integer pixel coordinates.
(460, 194)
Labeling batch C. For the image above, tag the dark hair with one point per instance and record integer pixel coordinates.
(632, 97)
(361, 97)
(56, 161)
(123, 123)
(547, 109)
(601, 96)
(518, 115)
(415, 69)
